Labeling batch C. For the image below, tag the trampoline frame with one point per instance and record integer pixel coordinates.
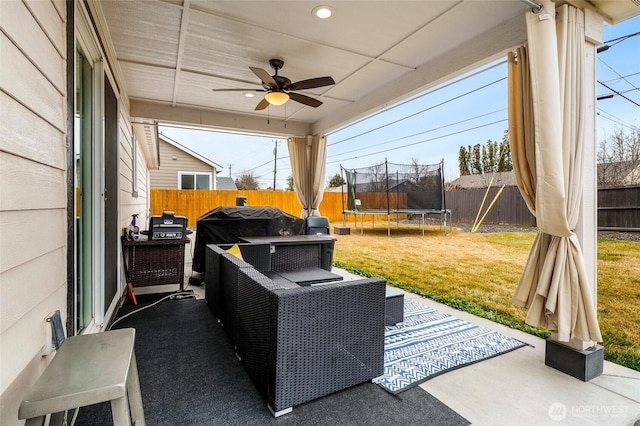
(442, 212)
(397, 213)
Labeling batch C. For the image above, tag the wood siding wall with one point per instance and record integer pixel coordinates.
(33, 194)
(166, 177)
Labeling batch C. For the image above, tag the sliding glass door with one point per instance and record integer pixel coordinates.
(84, 192)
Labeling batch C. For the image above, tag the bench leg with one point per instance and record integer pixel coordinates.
(35, 421)
(120, 411)
(59, 419)
(133, 391)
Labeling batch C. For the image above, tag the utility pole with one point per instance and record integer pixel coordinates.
(230, 169)
(275, 162)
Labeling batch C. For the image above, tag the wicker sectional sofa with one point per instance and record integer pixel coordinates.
(297, 343)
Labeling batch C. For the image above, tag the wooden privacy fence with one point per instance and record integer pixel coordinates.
(193, 204)
(618, 208)
(509, 208)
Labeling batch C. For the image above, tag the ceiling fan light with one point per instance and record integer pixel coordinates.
(276, 98)
(322, 12)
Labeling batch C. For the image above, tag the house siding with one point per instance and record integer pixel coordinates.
(33, 188)
(130, 203)
(166, 177)
(33, 223)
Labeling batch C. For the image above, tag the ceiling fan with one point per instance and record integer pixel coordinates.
(279, 88)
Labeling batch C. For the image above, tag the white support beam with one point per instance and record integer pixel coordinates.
(218, 119)
(184, 26)
(587, 226)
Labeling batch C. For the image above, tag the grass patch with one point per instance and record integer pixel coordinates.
(478, 273)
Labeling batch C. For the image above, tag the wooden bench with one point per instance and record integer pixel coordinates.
(86, 370)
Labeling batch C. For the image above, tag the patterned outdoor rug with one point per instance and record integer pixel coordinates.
(428, 343)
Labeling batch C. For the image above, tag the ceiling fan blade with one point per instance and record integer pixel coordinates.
(264, 76)
(262, 105)
(238, 90)
(312, 83)
(304, 99)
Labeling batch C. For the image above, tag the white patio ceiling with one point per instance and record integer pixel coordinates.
(172, 53)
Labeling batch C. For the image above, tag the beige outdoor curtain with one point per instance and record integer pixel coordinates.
(308, 162)
(546, 113)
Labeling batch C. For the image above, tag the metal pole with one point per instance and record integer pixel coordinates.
(275, 161)
(535, 7)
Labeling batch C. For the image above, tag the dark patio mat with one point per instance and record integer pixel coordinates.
(190, 376)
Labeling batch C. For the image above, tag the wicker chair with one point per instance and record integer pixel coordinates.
(297, 343)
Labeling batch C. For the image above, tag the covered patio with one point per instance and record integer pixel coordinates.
(513, 388)
(85, 85)
(398, 51)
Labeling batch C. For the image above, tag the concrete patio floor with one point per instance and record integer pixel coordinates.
(517, 388)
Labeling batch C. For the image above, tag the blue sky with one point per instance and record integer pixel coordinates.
(432, 126)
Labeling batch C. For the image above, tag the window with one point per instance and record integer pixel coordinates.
(194, 180)
(134, 165)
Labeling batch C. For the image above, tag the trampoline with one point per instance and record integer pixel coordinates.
(402, 191)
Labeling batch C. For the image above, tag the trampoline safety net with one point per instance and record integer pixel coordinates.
(389, 187)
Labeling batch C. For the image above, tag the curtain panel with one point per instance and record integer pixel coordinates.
(546, 114)
(308, 156)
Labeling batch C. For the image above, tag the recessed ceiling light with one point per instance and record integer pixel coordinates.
(322, 12)
(249, 94)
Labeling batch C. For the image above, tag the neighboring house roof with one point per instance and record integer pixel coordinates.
(225, 184)
(482, 181)
(194, 154)
(619, 173)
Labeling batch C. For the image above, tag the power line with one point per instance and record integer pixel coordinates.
(415, 98)
(258, 154)
(606, 46)
(420, 133)
(614, 119)
(617, 73)
(405, 137)
(621, 38)
(619, 94)
(420, 142)
(419, 112)
(613, 80)
(257, 167)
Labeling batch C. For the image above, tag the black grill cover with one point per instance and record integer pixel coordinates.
(228, 224)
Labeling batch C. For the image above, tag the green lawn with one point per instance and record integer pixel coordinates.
(478, 273)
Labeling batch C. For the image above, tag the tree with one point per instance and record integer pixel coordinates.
(476, 160)
(336, 181)
(463, 162)
(617, 156)
(377, 178)
(505, 163)
(247, 181)
(291, 186)
(489, 158)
